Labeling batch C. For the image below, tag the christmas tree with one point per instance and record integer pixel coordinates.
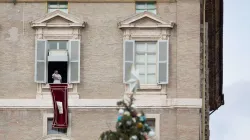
(131, 125)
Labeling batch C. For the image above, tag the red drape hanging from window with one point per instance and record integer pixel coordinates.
(59, 94)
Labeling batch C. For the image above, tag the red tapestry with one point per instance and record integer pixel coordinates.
(59, 94)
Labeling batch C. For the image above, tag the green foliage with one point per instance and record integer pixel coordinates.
(130, 125)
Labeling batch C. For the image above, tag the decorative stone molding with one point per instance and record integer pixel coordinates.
(142, 101)
(55, 137)
(145, 26)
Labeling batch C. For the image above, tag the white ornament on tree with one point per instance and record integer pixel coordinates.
(151, 133)
(134, 138)
(121, 111)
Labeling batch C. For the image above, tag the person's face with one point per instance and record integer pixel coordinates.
(56, 72)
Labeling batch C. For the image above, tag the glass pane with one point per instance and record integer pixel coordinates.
(64, 10)
(51, 10)
(151, 6)
(74, 51)
(63, 45)
(140, 47)
(151, 69)
(140, 11)
(151, 79)
(151, 58)
(151, 47)
(152, 11)
(140, 58)
(41, 50)
(63, 5)
(141, 68)
(140, 6)
(52, 45)
(52, 5)
(142, 79)
(50, 129)
(151, 123)
(74, 71)
(40, 69)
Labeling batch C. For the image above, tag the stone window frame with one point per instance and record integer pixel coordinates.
(45, 123)
(72, 31)
(143, 32)
(156, 117)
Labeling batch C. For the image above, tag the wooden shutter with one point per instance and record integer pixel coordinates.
(41, 61)
(163, 61)
(74, 61)
(128, 58)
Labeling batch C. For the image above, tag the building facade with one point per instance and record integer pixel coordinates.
(93, 44)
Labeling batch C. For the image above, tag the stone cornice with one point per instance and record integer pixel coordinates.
(130, 22)
(102, 103)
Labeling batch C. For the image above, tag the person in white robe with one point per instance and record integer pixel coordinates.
(57, 77)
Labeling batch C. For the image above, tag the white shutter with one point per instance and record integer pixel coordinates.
(128, 58)
(74, 61)
(163, 61)
(41, 61)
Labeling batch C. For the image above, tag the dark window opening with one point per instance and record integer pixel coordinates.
(51, 130)
(61, 67)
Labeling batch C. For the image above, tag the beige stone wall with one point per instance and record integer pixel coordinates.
(90, 123)
(101, 53)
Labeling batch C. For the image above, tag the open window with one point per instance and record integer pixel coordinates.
(62, 55)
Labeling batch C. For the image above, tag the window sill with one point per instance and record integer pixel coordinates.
(150, 87)
(46, 86)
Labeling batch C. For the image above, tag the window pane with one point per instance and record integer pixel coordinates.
(140, 47)
(64, 10)
(151, 79)
(140, 6)
(142, 79)
(151, 47)
(63, 5)
(141, 68)
(151, 123)
(140, 11)
(52, 5)
(151, 6)
(62, 130)
(140, 58)
(63, 45)
(52, 45)
(50, 129)
(152, 11)
(151, 58)
(151, 69)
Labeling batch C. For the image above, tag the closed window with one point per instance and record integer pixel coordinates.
(145, 61)
(63, 56)
(146, 6)
(51, 130)
(62, 6)
(150, 58)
